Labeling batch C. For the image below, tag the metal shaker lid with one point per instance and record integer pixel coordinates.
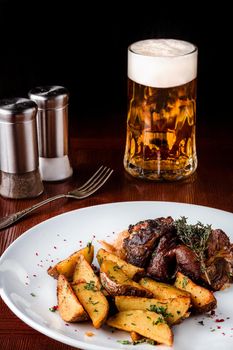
(17, 110)
(18, 135)
(49, 97)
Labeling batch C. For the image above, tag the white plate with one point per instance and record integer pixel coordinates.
(30, 292)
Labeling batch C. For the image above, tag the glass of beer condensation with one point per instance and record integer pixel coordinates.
(161, 122)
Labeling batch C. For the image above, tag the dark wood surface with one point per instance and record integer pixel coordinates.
(103, 143)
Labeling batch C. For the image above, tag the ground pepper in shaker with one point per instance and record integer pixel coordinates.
(19, 162)
(52, 127)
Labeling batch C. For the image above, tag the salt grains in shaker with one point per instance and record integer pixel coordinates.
(52, 127)
(19, 173)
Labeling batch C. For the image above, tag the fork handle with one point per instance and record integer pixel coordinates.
(7, 221)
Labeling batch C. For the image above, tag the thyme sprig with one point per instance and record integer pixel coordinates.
(195, 237)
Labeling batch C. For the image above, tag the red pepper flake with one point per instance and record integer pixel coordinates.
(54, 247)
(219, 320)
(93, 236)
(219, 327)
(80, 241)
(37, 254)
(231, 329)
(223, 333)
(27, 276)
(53, 308)
(67, 324)
(52, 260)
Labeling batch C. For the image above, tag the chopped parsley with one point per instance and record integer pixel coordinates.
(124, 342)
(160, 310)
(184, 282)
(116, 268)
(100, 259)
(90, 285)
(158, 321)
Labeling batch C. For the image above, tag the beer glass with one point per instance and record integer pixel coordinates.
(161, 121)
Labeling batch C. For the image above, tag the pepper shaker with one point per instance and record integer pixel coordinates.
(19, 162)
(52, 127)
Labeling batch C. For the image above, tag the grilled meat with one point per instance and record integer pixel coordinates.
(162, 265)
(154, 245)
(143, 238)
(217, 241)
(219, 260)
(186, 261)
(170, 257)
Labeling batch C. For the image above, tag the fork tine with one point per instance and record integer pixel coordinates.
(90, 180)
(97, 184)
(93, 179)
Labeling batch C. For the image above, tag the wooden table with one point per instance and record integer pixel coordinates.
(103, 143)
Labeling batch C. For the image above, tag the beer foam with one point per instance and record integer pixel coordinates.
(162, 62)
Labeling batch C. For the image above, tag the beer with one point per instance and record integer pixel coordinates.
(161, 122)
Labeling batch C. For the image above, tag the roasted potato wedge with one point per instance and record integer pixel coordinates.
(66, 267)
(130, 270)
(116, 282)
(146, 323)
(162, 290)
(69, 306)
(202, 299)
(84, 273)
(87, 287)
(93, 301)
(173, 310)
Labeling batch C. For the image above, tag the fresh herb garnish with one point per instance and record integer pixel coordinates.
(90, 285)
(158, 321)
(100, 259)
(160, 310)
(116, 268)
(195, 237)
(33, 295)
(140, 341)
(184, 282)
(124, 342)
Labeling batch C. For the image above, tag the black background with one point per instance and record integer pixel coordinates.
(83, 46)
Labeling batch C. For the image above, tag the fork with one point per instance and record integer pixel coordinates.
(92, 185)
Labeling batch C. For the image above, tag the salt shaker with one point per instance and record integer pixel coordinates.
(19, 161)
(52, 127)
